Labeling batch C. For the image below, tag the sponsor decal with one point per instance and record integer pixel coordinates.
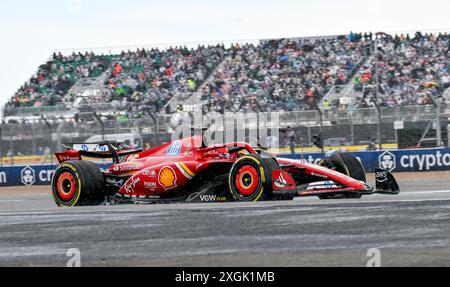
(281, 181)
(91, 147)
(149, 173)
(175, 148)
(212, 198)
(329, 184)
(425, 161)
(151, 185)
(381, 176)
(129, 167)
(131, 185)
(387, 161)
(28, 176)
(167, 178)
(398, 161)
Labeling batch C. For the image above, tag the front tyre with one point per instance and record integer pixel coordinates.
(78, 183)
(348, 165)
(251, 179)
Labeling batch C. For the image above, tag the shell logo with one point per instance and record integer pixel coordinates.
(167, 178)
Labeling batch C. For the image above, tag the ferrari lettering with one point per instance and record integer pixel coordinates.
(69, 158)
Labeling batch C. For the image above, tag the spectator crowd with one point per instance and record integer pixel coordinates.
(51, 83)
(276, 75)
(411, 71)
(283, 75)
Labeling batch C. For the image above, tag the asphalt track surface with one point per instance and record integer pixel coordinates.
(412, 229)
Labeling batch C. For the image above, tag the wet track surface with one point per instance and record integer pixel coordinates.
(412, 229)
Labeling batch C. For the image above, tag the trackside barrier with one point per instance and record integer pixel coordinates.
(419, 160)
(29, 175)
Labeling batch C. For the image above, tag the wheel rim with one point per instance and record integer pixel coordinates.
(66, 186)
(247, 181)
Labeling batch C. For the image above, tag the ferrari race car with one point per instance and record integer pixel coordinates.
(181, 172)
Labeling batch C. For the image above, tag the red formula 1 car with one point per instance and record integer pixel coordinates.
(181, 172)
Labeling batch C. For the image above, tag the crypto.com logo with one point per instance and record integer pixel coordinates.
(387, 161)
(252, 128)
(28, 176)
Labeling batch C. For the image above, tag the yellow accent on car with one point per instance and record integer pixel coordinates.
(251, 158)
(79, 193)
(263, 177)
(187, 169)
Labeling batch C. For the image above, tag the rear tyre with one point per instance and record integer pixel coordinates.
(78, 183)
(251, 178)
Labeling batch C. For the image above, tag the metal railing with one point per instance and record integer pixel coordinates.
(43, 138)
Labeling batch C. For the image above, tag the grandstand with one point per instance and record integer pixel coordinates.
(274, 75)
(317, 83)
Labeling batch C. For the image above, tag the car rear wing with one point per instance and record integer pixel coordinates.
(102, 150)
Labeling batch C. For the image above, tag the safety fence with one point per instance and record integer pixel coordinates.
(420, 160)
(36, 142)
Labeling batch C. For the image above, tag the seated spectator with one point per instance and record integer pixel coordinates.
(277, 75)
(282, 75)
(410, 71)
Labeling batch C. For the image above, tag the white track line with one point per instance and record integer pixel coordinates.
(375, 199)
(426, 192)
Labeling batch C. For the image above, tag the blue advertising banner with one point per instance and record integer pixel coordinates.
(417, 160)
(28, 175)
